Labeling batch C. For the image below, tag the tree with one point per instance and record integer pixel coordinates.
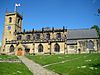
(98, 11)
(97, 29)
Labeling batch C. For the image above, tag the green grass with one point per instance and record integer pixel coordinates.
(4, 57)
(86, 64)
(13, 69)
(48, 59)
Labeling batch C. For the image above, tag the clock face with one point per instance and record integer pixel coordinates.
(9, 27)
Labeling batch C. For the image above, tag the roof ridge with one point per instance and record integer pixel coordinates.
(82, 29)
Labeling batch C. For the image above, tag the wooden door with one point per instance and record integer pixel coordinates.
(19, 52)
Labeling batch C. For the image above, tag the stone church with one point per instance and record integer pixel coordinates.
(46, 40)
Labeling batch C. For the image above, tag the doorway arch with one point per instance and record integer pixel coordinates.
(19, 52)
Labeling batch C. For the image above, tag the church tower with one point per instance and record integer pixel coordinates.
(12, 24)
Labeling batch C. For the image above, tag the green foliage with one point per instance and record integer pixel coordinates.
(86, 64)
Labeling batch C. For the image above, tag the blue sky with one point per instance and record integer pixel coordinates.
(73, 14)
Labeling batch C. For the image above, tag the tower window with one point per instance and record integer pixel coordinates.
(11, 48)
(10, 19)
(18, 21)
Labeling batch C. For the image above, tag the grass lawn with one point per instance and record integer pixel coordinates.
(4, 57)
(85, 64)
(15, 68)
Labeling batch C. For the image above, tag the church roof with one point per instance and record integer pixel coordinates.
(82, 34)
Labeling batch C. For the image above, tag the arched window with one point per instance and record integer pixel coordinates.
(90, 44)
(11, 48)
(58, 35)
(10, 19)
(19, 37)
(28, 37)
(56, 48)
(47, 36)
(40, 48)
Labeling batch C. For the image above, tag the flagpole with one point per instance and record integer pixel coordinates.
(15, 8)
(16, 5)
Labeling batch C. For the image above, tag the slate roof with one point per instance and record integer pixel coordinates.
(81, 34)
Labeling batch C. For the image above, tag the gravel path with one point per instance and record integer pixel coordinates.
(35, 68)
